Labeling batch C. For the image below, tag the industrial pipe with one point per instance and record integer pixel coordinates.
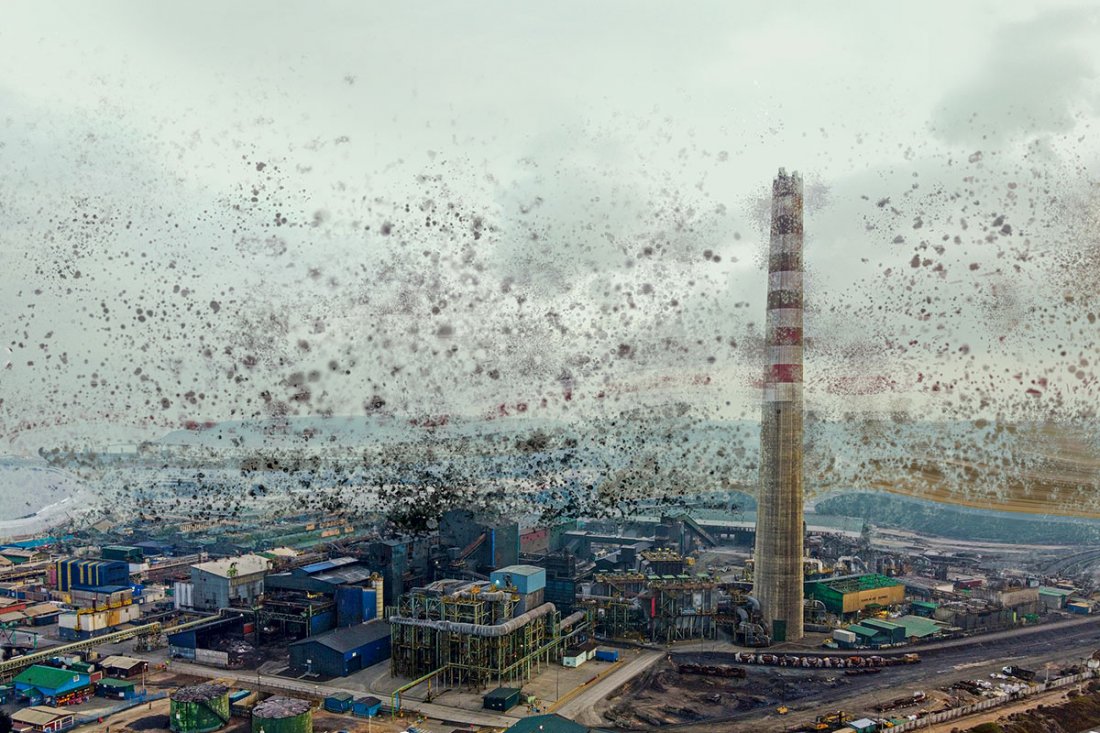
(572, 619)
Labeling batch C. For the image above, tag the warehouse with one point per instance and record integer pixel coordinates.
(91, 574)
(854, 593)
(343, 651)
(227, 582)
(41, 684)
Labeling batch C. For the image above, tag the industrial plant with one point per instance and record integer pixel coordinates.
(506, 621)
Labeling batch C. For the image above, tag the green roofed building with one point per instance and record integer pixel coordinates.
(1053, 598)
(917, 627)
(853, 593)
(56, 686)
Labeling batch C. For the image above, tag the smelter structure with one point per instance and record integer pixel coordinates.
(777, 582)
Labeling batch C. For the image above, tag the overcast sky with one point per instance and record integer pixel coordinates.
(215, 210)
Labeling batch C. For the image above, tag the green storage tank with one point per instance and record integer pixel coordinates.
(282, 715)
(199, 708)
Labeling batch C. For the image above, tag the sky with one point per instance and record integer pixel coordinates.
(221, 211)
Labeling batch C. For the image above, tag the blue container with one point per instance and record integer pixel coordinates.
(340, 702)
(607, 655)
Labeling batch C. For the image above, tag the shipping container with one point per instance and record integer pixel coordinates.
(607, 655)
(502, 699)
(843, 635)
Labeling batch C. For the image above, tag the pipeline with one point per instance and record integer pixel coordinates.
(572, 619)
(502, 629)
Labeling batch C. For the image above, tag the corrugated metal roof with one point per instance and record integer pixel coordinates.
(918, 626)
(1048, 591)
(345, 576)
(244, 565)
(350, 638)
(111, 682)
(863, 630)
(39, 715)
(51, 678)
(328, 564)
(525, 570)
(120, 661)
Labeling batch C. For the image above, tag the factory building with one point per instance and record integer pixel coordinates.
(90, 574)
(39, 684)
(663, 604)
(474, 632)
(777, 582)
(344, 651)
(564, 575)
(851, 594)
(404, 563)
(478, 545)
(321, 596)
(225, 583)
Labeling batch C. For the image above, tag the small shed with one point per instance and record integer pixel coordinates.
(863, 725)
(42, 614)
(42, 718)
(366, 707)
(339, 702)
(116, 689)
(502, 699)
(123, 668)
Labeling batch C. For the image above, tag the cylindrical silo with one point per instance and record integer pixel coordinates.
(282, 715)
(199, 708)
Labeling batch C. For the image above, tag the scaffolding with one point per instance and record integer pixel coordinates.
(469, 634)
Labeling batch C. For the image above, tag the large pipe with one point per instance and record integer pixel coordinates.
(502, 629)
(572, 619)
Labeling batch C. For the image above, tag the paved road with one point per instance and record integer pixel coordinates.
(580, 707)
(439, 712)
(1056, 644)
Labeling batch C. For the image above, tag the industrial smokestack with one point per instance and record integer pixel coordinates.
(777, 580)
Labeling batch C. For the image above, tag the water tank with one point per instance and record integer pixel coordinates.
(282, 715)
(199, 708)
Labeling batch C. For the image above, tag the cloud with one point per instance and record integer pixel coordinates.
(1036, 77)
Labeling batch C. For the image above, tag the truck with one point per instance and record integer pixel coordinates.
(1019, 673)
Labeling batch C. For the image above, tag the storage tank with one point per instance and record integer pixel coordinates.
(282, 715)
(199, 708)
